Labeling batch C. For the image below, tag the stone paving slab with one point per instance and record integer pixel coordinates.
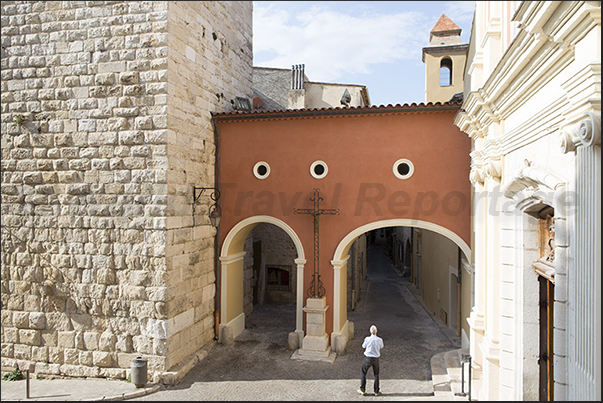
(73, 389)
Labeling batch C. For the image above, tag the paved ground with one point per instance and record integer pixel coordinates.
(257, 366)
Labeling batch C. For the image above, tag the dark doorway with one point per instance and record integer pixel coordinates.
(545, 360)
(545, 268)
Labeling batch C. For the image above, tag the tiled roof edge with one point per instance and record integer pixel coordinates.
(284, 113)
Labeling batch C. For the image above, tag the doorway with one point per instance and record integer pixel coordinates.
(545, 358)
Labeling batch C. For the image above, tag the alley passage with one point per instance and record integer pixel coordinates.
(258, 365)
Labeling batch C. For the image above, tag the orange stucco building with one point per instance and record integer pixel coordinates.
(379, 166)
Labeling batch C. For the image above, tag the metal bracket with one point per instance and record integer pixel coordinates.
(215, 195)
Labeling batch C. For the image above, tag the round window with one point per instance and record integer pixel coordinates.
(403, 169)
(261, 170)
(319, 169)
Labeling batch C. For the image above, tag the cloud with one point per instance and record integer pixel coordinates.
(335, 44)
(461, 12)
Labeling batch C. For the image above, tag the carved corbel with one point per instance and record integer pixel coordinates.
(476, 176)
(493, 169)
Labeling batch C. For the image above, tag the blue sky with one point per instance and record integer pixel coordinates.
(372, 43)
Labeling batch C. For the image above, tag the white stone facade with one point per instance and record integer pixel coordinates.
(532, 109)
(106, 129)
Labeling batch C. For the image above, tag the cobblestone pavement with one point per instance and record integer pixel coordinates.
(258, 365)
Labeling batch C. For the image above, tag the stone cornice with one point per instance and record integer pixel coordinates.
(461, 47)
(548, 119)
(583, 92)
(538, 53)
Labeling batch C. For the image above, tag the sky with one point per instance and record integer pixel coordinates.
(373, 43)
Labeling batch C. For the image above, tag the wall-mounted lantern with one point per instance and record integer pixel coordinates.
(215, 212)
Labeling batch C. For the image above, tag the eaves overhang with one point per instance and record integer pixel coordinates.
(333, 112)
(444, 49)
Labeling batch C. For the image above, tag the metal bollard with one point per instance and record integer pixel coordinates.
(466, 358)
(469, 361)
(138, 373)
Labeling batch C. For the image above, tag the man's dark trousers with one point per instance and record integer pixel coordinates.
(366, 364)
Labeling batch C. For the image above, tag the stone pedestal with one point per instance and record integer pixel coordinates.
(315, 345)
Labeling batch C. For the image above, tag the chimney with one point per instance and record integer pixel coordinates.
(297, 77)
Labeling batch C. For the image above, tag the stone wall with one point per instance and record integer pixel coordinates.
(277, 249)
(248, 280)
(106, 128)
(209, 64)
(356, 271)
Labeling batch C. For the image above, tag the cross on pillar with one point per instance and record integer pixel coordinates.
(316, 290)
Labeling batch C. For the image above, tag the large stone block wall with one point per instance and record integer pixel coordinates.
(209, 64)
(105, 130)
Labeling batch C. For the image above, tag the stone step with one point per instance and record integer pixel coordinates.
(452, 360)
(440, 377)
(446, 372)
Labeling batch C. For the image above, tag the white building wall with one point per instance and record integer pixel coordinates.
(324, 95)
(529, 83)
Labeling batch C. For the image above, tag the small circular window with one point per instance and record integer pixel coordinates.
(261, 170)
(403, 169)
(319, 169)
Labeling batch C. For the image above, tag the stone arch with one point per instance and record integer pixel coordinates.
(342, 329)
(232, 317)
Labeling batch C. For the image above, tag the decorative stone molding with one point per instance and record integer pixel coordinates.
(589, 130)
(568, 140)
(532, 179)
(476, 175)
(586, 133)
(493, 169)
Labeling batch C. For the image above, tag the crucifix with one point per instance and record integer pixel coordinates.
(316, 290)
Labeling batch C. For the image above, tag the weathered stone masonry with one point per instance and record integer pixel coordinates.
(106, 128)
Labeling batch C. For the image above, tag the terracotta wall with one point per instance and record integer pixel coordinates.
(360, 151)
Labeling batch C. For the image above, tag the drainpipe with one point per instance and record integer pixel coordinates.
(458, 294)
(217, 240)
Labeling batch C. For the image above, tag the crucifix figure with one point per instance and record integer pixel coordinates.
(316, 290)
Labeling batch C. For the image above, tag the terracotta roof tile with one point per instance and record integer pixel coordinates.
(297, 112)
(445, 24)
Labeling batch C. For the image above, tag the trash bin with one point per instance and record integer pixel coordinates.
(138, 373)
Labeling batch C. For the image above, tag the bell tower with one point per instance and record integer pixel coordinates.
(444, 60)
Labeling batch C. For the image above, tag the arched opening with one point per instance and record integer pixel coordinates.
(445, 72)
(262, 261)
(389, 233)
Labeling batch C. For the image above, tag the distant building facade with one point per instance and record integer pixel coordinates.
(532, 109)
(279, 89)
(444, 60)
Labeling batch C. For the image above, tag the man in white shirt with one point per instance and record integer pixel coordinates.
(372, 351)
